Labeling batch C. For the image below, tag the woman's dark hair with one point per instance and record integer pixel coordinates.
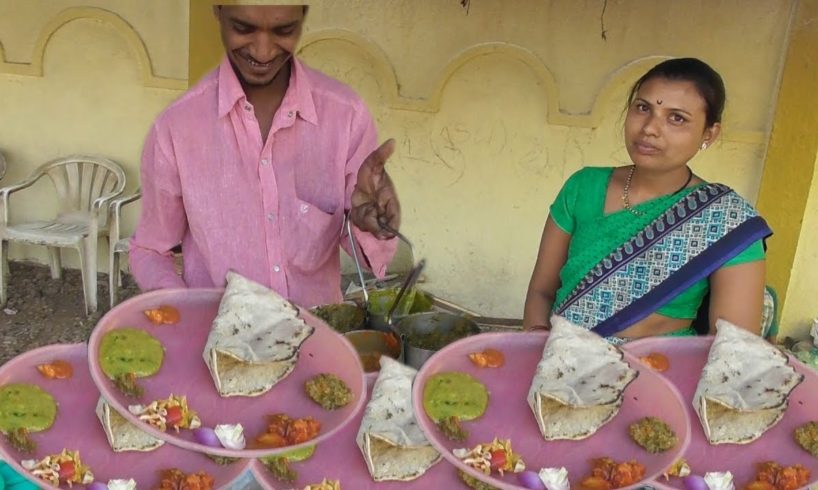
(707, 81)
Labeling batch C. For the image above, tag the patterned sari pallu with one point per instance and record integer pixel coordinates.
(687, 243)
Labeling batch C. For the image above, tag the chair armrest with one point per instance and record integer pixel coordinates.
(5, 192)
(114, 214)
(121, 201)
(103, 200)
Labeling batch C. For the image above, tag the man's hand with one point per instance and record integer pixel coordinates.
(374, 200)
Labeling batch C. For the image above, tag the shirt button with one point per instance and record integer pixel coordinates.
(248, 108)
(271, 216)
(290, 114)
(264, 161)
(277, 268)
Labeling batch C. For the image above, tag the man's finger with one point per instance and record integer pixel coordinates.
(377, 159)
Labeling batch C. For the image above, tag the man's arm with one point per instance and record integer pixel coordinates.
(163, 221)
(363, 141)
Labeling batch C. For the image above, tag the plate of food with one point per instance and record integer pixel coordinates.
(57, 429)
(382, 449)
(548, 410)
(237, 373)
(752, 409)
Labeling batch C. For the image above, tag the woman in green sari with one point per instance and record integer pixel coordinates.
(633, 251)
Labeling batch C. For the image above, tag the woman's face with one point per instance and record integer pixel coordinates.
(666, 124)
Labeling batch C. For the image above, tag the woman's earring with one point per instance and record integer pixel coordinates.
(704, 146)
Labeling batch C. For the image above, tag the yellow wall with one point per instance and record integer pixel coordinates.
(83, 77)
(494, 109)
(789, 194)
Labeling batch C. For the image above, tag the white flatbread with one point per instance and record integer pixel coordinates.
(255, 339)
(744, 387)
(123, 435)
(390, 439)
(579, 383)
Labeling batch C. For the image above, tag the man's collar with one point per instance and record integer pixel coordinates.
(230, 91)
(299, 91)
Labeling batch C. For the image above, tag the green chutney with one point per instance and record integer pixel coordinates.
(26, 406)
(130, 350)
(454, 394)
(298, 455)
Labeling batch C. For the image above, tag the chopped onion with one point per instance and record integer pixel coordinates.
(531, 480)
(206, 436)
(695, 482)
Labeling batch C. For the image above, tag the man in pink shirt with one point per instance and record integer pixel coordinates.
(255, 167)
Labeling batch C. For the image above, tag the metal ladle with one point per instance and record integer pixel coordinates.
(411, 278)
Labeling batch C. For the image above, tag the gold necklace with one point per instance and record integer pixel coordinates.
(626, 203)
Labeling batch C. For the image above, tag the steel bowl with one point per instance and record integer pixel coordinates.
(414, 328)
(371, 344)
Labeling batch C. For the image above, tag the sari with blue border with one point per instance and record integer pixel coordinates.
(687, 243)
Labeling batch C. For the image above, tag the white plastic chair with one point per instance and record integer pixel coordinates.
(117, 245)
(84, 186)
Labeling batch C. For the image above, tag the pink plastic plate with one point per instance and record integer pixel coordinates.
(340, 459)
(688, 356)
(184, 372)
(77, 427)
(508, 415)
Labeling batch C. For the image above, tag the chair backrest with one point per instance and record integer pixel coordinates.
(80, 179)
(769, 317)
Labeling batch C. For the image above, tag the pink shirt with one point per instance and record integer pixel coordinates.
(272, 212)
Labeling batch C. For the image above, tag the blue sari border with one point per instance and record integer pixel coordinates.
(675, 217)
(697, 268)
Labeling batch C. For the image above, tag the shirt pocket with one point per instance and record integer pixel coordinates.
(322, 189)
(316, 236)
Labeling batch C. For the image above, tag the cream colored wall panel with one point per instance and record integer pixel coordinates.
(162, 25)
(743, 39)
(90, 100)
(477, 174)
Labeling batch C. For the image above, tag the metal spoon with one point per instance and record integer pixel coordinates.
(385, 226)
(354, 246)
(411, 278)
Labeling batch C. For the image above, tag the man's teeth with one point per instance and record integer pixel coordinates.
(256, 63)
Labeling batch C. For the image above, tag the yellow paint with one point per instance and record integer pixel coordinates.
(491, 117)
(34, 65)
(789, 192)
(87, 84)
(492, 110)
(205, 42)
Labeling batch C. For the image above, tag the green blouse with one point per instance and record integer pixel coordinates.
(579, 211)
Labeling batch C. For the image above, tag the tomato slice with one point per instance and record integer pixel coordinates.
(491, 358)
(498, 459)
(494, 358)
(67, 470)
(56, 370)
(656, 361)
(595, 483)
(269, 439)
(478, 359)
(174, 416)
(164, 315)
